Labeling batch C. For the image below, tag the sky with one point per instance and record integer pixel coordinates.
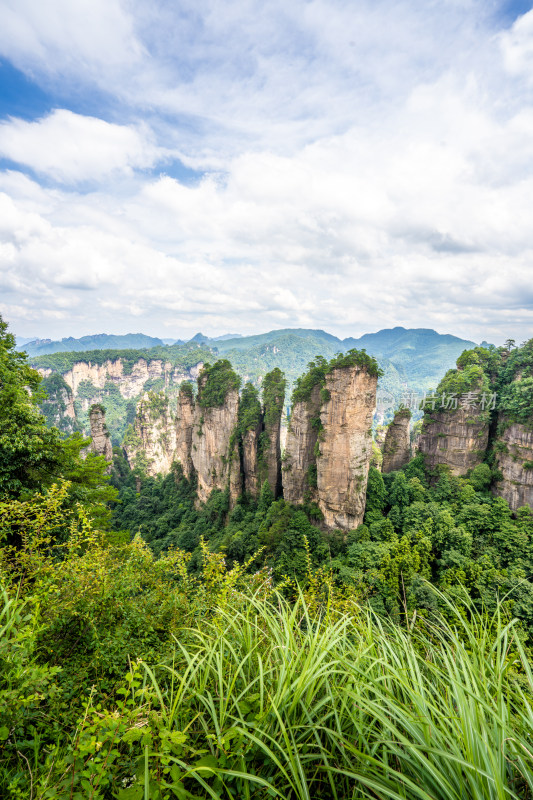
(174, 166)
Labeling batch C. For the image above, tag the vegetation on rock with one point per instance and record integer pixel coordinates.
(215, 382)
(320, 367)
(273, 390)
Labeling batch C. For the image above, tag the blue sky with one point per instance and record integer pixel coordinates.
(169, 167)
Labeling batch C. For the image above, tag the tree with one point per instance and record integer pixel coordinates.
(33, 456)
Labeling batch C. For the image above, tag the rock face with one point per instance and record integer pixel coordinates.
(184, 429)
(225, 442)
(397, 445)
(270, 462)
(514, 457)
(130, 383)
(299, 463)
(214, 460)
(58, 408)
(154, 434)
(345, 443)
(457, 439)
(329, 446)
(100, 439)
(92, 383)
(250, 462)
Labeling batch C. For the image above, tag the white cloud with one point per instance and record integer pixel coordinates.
(517, 47)
(374, 166)
(71, 147)
(69, 38)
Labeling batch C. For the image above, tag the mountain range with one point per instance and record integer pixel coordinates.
(98, 341)
(412, 359)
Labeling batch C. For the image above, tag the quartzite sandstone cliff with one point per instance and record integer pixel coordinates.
(299, 460)
(457, 439)
(397, 445)
(329, 445)
(100, 439)
(345, 445)
(129, 383)
(250, 461)
(154, 435)
(184, 429)
(514, 458)
(216, 464)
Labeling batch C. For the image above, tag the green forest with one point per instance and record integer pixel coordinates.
(151, 649)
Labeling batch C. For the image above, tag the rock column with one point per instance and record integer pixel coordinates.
(100, 439)
(397, 445)
(345, 446)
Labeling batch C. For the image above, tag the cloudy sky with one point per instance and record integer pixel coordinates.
(169, 166)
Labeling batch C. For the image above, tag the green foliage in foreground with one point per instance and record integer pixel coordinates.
(233, 690)
(32, 455)
(454, 534)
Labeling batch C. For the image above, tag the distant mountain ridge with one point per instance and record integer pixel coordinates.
(98, 341)
(412, 360)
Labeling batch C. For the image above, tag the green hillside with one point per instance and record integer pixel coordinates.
(420, 355)
(246, 342)
(183, 355)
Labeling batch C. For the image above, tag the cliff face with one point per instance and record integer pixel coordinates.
(345, 443)
(58, 408)
(116, 386)
(213, 461)
(299, 463)
(396, 446)
(184, 429)
(226, 442)
(514, 457)
(154, 435)
(274, 385)
(457, 439)
(250, 461)
(100, 439)
(129, 384)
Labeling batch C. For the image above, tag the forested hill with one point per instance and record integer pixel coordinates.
(419, 354)
(412, 359)
(100, 341)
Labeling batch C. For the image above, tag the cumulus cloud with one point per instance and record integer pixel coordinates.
(71, 147)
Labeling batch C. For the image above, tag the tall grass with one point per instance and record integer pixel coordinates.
(295, 705)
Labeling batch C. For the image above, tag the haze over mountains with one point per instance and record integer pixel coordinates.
(385, 342)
